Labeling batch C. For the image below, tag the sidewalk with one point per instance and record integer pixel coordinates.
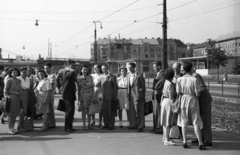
(119, 141)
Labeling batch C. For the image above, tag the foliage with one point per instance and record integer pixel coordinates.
(236, 67)
(216, 55)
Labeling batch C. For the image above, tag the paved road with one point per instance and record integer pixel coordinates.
(105, 142)
(228, 89)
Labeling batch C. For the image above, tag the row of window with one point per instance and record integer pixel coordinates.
(230, 45)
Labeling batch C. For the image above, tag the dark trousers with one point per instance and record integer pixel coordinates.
(156, 114)
(139, 108)
(69, 112)
(108, 113)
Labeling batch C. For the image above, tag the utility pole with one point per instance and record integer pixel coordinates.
(164, 30)
(139, 58)
(95, 41)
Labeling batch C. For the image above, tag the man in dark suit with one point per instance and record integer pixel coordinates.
(68, 77)
(136, 97)
(156, 96)
(109, 95)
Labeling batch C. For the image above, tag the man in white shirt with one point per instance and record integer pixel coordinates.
(25, 85)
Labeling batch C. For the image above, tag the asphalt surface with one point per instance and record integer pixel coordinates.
(120, 141)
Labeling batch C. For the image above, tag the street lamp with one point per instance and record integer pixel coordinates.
(95, 40)
(139, 50)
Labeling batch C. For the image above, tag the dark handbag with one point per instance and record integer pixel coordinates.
(148, 108)
(61, 105)
(174, 119)
(94, 108)
(28, 124)
(117, 104)
(6, 104)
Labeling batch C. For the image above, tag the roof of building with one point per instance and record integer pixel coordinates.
(232, 35)
(202, 45)
(150, 41)
(179, 43)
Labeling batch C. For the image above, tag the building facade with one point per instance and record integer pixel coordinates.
(119, 52)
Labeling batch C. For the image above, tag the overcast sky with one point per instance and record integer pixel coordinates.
(68, 24)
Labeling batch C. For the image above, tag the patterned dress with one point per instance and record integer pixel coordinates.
(41, 91)
(85, 94)
(13, 85)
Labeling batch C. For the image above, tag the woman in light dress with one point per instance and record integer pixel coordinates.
(43, 105)
(12, 90)
(97, 91)
(189, 88)
(122, 94)
(168, 97)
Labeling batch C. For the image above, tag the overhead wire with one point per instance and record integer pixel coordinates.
(204, 12)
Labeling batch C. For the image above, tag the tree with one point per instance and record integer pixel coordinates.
(236, 67)
(216, 55)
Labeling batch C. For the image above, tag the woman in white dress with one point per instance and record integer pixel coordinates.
(97, 91)
(189, 88)
(122, 94)
(169, 94)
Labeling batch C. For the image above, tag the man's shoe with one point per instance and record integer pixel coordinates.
(104, 127)
(207, 144)
(195, 141)
(153, 130)
(140, 130)
(69, 130)
(74, 129)
(110, 128)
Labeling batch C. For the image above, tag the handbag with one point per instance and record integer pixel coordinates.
(176, 105)
(6, 104)
(148, 108)
(61, 105)
(174, 132)
(94, 108)
(28, 124)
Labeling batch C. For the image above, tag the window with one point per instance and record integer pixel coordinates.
(158, 55)
(146, 55)
(152, 55)
(236, 44)
(145, 66)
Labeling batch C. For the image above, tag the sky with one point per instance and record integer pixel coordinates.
(68, 25)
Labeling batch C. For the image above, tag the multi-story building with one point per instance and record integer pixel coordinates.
(119, 52)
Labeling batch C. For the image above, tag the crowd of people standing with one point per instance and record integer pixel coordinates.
(178, 86)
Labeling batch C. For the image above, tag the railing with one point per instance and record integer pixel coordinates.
(218, 88)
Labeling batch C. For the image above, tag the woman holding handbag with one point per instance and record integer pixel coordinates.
(168, 97)
(85, 94)
(97, 91)
(12, 90)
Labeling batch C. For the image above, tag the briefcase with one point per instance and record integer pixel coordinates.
(148, 108)
(61, 105)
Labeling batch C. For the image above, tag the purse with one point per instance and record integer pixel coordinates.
(176, 105)
(61, 105)
(148, 108)
(6, 104)
(174, 132)
(94, 108)
(28, 124)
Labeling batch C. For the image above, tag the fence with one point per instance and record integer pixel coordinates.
(219, 88)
